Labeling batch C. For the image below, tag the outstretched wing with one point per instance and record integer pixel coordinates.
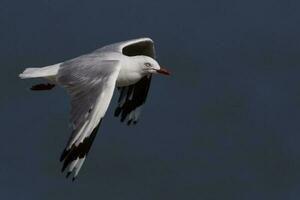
(131, 100)
(90, 81)
(134, 96)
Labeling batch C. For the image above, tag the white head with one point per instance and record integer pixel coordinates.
(150, 66)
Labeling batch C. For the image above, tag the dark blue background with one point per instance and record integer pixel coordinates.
(225, 125)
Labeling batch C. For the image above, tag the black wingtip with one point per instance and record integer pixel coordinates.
(63, 155)
(132, 97)
(73, 179)
(129, 122)
(68, 174)
(123, 116)
(80, 151)
(117, 111)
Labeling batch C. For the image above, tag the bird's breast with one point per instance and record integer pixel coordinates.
(126, 78)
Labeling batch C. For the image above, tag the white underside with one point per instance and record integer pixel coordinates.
(126, 76)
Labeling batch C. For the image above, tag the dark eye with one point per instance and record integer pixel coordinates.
(147, 64)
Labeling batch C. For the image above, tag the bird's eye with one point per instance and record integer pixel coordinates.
(147, 64)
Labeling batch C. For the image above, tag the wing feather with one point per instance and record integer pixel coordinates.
(90, 81)
(133, 97)
(139, 46)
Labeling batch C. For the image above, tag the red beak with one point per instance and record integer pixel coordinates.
(163, 71)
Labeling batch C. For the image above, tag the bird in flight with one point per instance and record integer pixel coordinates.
(90, 80)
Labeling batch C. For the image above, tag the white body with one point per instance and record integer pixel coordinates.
(90, 80)
(128, 75)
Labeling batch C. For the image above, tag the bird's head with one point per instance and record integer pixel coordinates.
(149, 65)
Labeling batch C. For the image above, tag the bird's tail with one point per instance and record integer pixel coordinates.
(45, 72)
(48, 72)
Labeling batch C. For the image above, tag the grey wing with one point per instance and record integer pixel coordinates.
(139, 46)
(133, 97)
(90, 81)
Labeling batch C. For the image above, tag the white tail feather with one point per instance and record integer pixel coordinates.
(46, 72)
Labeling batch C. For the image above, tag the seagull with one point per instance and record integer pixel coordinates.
(90, 80)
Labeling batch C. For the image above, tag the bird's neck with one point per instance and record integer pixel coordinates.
(130, 73)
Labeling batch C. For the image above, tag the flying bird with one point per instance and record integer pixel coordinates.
(90, 80)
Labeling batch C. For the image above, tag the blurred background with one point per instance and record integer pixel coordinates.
(225, 125)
